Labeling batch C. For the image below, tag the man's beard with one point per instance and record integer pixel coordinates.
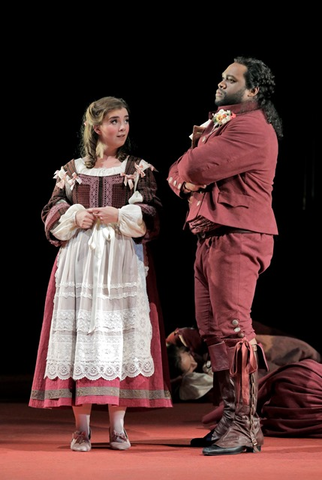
(231, 99)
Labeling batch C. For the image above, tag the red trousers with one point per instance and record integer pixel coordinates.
(227, 268)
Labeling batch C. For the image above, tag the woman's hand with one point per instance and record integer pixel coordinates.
(105, 214)
(85, 219)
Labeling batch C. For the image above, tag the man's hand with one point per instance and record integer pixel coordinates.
(191, 187)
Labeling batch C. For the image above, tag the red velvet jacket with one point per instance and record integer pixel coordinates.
(237, 162)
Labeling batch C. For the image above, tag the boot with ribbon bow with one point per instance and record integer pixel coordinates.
(243, 433)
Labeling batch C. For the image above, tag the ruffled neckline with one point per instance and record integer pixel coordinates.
(99, 172)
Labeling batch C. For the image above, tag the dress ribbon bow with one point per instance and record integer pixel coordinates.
(101, 234)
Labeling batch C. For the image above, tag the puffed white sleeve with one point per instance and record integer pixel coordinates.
(67, 227)
(131, 223)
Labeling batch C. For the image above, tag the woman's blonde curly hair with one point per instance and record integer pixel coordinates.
(94, 116)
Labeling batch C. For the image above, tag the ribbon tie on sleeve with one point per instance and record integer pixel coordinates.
(71, 181)
(128, 179)
(64, 178)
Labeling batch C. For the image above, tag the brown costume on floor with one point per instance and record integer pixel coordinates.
(289, 401)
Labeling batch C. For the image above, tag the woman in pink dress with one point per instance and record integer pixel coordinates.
(102, 338)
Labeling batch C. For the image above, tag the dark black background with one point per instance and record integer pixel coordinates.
(167, 68)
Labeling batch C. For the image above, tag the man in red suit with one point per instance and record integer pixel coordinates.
(227, 177)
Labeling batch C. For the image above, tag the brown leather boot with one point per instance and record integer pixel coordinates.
(244, 433)
(221, 356)
(227, 391)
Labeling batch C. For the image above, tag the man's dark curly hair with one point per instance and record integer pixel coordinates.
(259, 75)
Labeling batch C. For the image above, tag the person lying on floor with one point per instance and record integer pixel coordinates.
(190, 367)
(289, 396)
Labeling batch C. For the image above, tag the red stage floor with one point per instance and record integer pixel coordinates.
(35, 445)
